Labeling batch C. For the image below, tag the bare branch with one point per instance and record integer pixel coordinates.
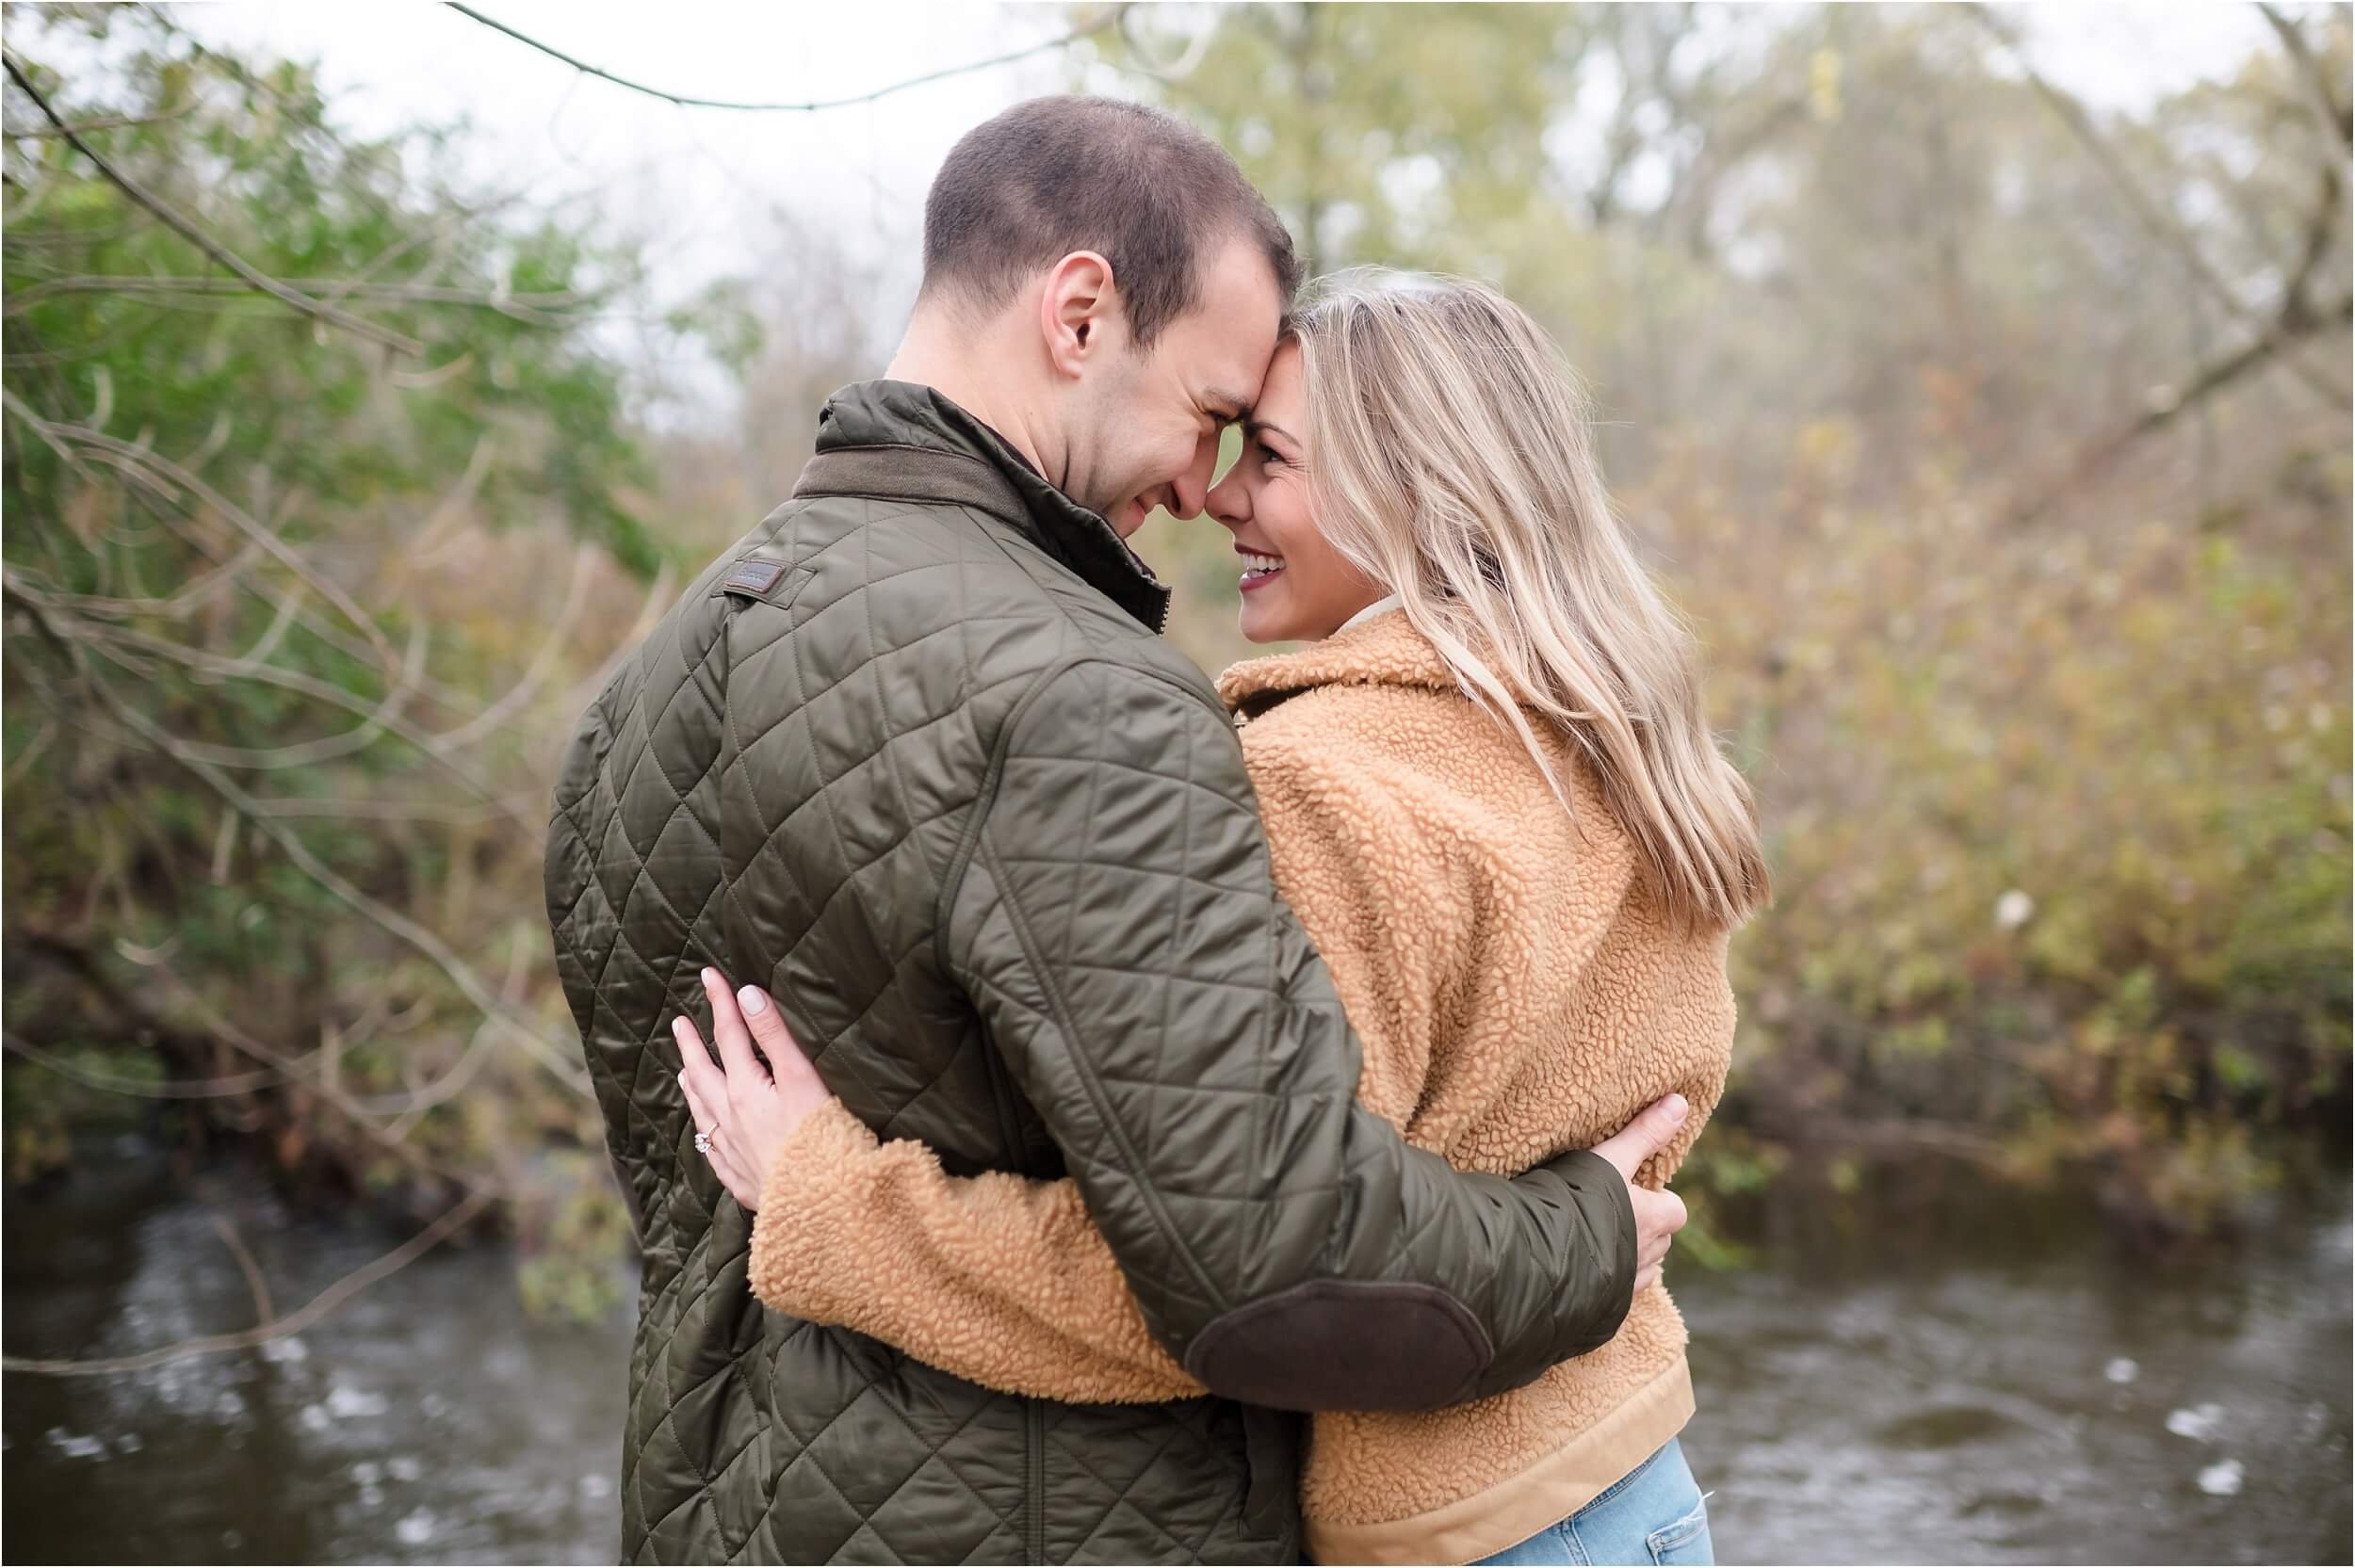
(33, 748)
(522, 307)
(260, 538)
(229, 571)
(2337, 115)
(686, 102)
(112, 122)
(396, 811)
(2321, 229)
(381, 717)
(551, 649)
(649, 612)
(2292, 321)
(2206, 383)
(292, 297)
(377, 717)
(163, 474)
(470, 984)
(2146, 210)
(253, 1280)
(303, 1070)
(1690, 200)
(186, 1088)
(296, 1321)
(422, 550)
(290, 1070)
(424, 1097)
(289, 607)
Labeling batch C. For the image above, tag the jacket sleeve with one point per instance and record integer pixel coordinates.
(1117, 926)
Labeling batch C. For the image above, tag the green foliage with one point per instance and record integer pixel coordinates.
(2057, 810)
(569, 1250)
(272, 585)
(2061, 831)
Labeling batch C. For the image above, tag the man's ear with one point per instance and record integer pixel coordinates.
(1080, 303)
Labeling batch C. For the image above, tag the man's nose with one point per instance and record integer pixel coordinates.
(1191, 488)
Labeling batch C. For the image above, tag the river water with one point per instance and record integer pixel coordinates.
(1914, 1391)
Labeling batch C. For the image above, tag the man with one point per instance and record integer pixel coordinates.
(912, 758)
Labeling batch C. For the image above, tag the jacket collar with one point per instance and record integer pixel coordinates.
(901, 441)
(1384, 650)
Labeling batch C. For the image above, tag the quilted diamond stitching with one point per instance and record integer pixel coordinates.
(622, 855)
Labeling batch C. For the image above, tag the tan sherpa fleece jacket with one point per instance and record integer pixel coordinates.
(1518, 994)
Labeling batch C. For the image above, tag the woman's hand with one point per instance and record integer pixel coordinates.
(744, 1111)
(1659, 1215)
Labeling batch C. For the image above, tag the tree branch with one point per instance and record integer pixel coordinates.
(460, 974)
(522, 307)
(291, 1070)
(162, 473)
(396, 811)
(253, 276)
(2339, 116)
(296, 1321)
(2072, 114)
(181, 1088)
(686, 102)
(111, 123)
(2208, 382)
(263, 1313)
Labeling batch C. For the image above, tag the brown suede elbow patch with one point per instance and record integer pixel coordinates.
(1344, 1345)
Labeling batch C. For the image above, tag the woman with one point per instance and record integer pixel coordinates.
(1490, 795)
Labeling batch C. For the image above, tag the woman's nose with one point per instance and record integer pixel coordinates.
(1229, 501)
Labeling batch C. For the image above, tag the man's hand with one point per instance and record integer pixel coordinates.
(743, 1110)
(1658, 1215)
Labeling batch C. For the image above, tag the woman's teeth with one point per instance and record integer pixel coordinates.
(1261, 566)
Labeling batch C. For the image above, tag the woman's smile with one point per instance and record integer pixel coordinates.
(1259, 568)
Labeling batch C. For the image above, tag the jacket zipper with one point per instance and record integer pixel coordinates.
(1009, 1125)
(1034, 1416)
(1035, 1431)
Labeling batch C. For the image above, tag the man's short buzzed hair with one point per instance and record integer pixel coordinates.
(1141, 187)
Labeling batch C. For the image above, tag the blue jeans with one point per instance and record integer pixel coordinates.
(1653, 1514)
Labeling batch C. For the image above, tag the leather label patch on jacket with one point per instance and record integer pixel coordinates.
(755, 578)
(766, 581)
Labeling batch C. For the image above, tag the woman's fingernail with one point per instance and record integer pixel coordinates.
(678, 1027)
(1676, 1107)
(751, 999)
(711, 976)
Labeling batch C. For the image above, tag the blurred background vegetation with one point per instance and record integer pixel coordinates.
(1997, 445)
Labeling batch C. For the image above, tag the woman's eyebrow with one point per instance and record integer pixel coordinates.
(1253, 426)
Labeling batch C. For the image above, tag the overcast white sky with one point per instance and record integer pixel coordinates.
(699, 182)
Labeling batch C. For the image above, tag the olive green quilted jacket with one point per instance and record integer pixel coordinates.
(913, 756)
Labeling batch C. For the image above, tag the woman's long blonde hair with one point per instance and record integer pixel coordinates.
(1449, 460)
